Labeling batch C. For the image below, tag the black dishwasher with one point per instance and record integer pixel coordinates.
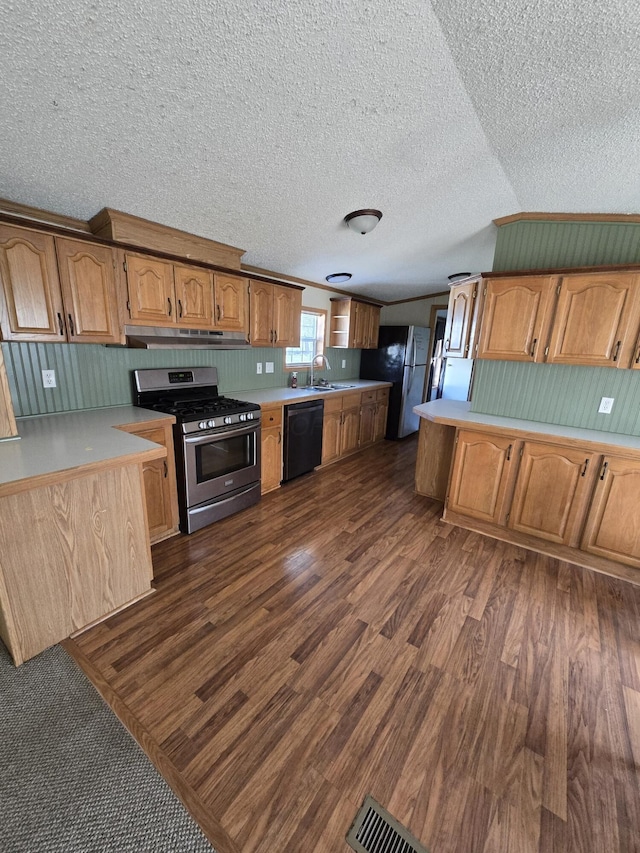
(302, 438)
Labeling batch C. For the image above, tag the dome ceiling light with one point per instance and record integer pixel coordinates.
(338, 277)
(363, 221)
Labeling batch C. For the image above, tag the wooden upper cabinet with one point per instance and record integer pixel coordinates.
(261, 309)
(231, 303)
(516, 318)
(483, 471)
(151, 291)
(89, 291)
(354, 324)
(612, 528)
(287, 308)
(193, 297)
(552, 491)
(460, 319)
(275, 315)
(30, 297)
(596, 320)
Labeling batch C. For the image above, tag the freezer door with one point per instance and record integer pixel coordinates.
(417, 345)
(412, 387)
(457, 378)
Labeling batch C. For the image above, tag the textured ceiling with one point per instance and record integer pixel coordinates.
(261, 124)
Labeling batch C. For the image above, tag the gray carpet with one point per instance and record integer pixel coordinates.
(71, 777)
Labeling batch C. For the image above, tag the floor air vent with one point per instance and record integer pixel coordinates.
(376, 831)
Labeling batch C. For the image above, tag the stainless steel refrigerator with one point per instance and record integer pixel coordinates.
(401, 358)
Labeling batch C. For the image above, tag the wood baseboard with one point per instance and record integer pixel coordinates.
(532, 543)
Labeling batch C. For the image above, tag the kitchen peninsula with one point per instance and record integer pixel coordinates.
(74, 538)
(567, 492)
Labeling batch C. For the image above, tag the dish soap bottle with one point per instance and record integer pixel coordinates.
(294, 379)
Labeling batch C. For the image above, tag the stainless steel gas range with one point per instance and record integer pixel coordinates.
(217, 442)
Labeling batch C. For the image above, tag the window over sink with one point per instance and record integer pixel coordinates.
(312, 335)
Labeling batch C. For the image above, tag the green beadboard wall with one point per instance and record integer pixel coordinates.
(536, 244)
(558, 394)
(91, 376)
(555, 393)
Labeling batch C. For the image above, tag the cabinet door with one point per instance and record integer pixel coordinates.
(380, 421)
(287, 310)
(516, 318)
(160, 485)
(232, 303)
(374, 326)
(194, 297)
(483, 470)
(30, 296)
(593, 319)
(367, 424)
(7, 418)
(88, 281)
(552, 491)
(360, 323)
(350, 431)
(331, 435)
(612, 528)
(271, 463)
(261, 314)
(459, 319)
(151, 292)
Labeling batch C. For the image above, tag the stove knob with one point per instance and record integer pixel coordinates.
(243, 417)
(211, 423)
(249, 416)
(202, 425)
(228, 420)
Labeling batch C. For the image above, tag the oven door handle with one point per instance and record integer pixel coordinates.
(205, 438)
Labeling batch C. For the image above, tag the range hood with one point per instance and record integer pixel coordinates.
(155, 337)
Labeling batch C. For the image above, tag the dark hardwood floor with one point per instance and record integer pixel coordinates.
(338, 639)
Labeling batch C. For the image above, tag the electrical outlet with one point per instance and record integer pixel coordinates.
(344, 363)
(48, 379)
(258, 367)
(268, 366)
(606, 404)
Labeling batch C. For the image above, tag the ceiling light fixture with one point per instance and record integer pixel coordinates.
(363, 221)
(338, 277)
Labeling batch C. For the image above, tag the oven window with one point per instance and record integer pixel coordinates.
(222, 456)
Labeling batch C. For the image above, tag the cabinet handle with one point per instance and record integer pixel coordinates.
(218, 312)
(60, 323)
(271, 336)
(180, 308)
(166, 469)
(169, 301)
(509, 449)
(446, 344)
(615, 355)
(586, 465)
(73, 331)
(279, 437)
(275, 336)
(604, 470)
(533, 347)
(638, 356)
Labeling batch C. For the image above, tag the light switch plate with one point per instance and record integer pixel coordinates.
(258, 367)
(344, 363)
(606, 404)
(269, 366)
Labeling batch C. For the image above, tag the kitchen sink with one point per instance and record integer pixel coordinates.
(328, 387)
(340, 387)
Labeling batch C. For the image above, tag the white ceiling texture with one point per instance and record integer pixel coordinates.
(261, 123)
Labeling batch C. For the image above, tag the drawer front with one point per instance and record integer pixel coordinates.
(271, 417)
(382, 394)
(351, 401)
(333, 403)
(368, 397)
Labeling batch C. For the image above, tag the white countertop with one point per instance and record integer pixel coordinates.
(459, 413)
(269, 396)
(68, 440)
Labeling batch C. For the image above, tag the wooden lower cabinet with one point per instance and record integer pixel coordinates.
(574, 502)
(381, 413)
(483, 471)
(552, 491)
(159, 475)
(86, 554)
(367, 424)
(271, 448)
(612, 530)
(341, 426)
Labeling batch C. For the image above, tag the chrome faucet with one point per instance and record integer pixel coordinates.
(322, 356)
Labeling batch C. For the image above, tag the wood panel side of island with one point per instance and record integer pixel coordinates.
(436, 443)
(70, 554)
